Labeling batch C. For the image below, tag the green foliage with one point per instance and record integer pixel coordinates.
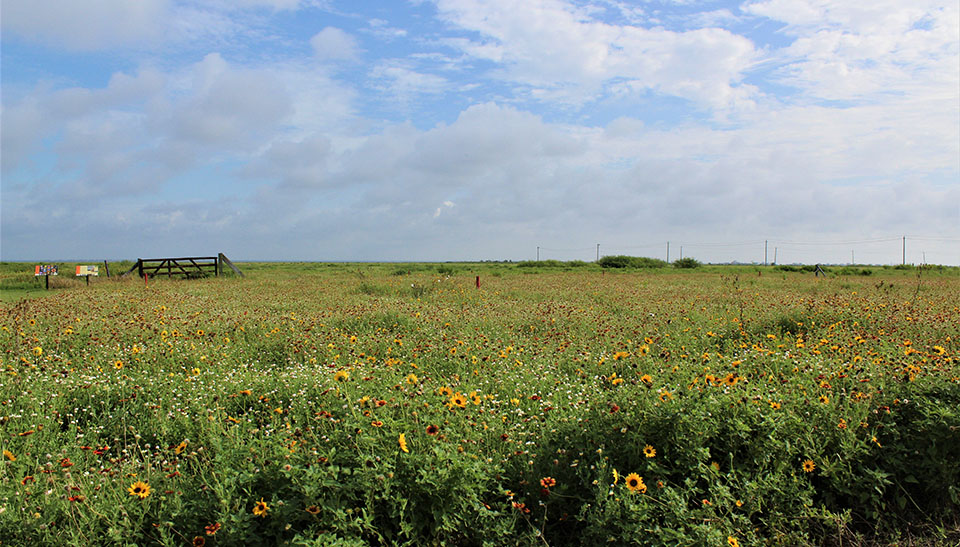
(686, 262)
(540, 264)
(623, 261)
(850, 270)
(552, 264)
(808, 268)
(372, 289)
(293, 386)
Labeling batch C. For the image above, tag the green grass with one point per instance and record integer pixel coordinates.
(524, 407)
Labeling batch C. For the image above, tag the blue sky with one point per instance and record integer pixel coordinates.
(472, 130)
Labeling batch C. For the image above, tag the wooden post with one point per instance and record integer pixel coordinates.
(106, 268)
(88, 280)
(48, 281)
(478, 281)
(223, 259)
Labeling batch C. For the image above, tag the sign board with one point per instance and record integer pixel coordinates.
(45, 269)
(88, 270)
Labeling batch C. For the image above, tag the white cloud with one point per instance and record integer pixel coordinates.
(867, 50)
(515, 182)
(399, 80)
(446, 204)
(383, 30)
(89, 25)
(142, 130)
(278, 5)
(334, 44)
(558, 50)
(229, 106)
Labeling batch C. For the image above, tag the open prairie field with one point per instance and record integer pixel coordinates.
(400, 404)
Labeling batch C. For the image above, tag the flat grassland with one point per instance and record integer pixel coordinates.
(358, 404)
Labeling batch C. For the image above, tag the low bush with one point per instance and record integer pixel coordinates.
(688, 262)
(624, 261)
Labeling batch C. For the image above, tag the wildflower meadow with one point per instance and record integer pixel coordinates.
(386, 404)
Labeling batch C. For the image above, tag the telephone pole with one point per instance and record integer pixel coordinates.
(538, 253)
(904, 251)
(598, 252)
(668, 251)
(764, 252)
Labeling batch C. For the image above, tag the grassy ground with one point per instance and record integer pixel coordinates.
(320, 404)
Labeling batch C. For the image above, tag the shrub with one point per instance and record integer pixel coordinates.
(624, 261)
(551, 264)
(372, 289)
(539, 264)
(850, 270)
(688, 262)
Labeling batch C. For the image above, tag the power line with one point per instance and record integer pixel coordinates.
(567, 250)
(828, 243)
(743, 244)
(922, 238)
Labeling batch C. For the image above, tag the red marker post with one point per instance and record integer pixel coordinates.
(478, 281)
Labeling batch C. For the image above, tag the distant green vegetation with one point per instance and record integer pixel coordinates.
(686, 263)
(552, 264)
(623, 261)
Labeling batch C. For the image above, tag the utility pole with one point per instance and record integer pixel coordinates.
(668, 251)
(852, 261)
(904, 251)
(764, 252)
(538, 253)
(681, 252)
(598, 252)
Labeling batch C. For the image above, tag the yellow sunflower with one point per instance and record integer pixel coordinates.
(260, 508)
(458, 400)
(634, 483)
(139, 489)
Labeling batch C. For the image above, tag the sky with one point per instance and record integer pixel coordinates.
(800, 131)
